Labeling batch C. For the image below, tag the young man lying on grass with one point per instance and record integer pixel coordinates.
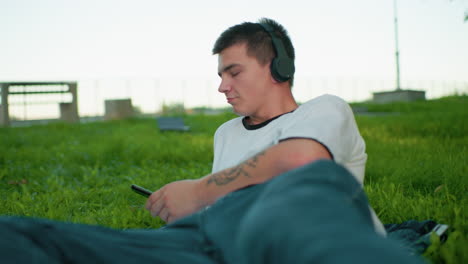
(286, 185)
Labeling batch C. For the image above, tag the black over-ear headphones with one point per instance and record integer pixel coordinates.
(282, 67)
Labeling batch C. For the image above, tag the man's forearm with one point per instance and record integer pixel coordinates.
(242, 170)
(261, 167)
(228, 180)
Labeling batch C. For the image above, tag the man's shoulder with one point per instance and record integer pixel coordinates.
(235, 122)
(326, 102)
(326, 99)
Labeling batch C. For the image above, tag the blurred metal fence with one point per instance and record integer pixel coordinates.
(149, 95)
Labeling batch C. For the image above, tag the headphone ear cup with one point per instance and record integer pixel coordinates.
(282, 69)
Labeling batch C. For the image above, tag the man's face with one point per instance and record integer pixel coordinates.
(244, 81)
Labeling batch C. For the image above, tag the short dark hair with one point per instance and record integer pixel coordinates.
(259, 43)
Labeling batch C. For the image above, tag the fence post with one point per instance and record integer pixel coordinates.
(73, 115)
(4, 115)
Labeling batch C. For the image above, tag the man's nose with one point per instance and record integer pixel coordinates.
(224, 86)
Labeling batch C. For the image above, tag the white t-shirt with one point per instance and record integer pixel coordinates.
(327, 119)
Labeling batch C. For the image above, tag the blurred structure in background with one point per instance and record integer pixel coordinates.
(150, 97)
(68, 105)
(399, 95)
(118, 109)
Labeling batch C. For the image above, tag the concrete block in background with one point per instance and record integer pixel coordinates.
(69, 113)
(118, 109)
(399, 96)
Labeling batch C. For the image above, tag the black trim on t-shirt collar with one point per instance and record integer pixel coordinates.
(257, 126)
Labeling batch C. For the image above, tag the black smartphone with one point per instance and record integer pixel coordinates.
(142, 191)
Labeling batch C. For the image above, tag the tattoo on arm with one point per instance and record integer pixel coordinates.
(226, 176)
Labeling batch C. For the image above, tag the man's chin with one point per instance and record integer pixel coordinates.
(238, 111)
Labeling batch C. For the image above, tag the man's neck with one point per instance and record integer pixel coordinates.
(285, 106)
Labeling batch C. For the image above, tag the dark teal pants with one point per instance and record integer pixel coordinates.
(314, 214)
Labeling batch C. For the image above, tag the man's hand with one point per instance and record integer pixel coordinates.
(175, 200)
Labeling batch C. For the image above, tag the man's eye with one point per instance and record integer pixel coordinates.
(234, 74)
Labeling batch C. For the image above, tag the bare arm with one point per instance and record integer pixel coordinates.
(182, 198)
(285, 156)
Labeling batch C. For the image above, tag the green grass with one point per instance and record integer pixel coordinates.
(417, 168)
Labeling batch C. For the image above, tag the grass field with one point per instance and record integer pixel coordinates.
(417, 168)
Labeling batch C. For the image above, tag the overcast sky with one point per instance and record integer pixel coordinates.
(93, 39)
